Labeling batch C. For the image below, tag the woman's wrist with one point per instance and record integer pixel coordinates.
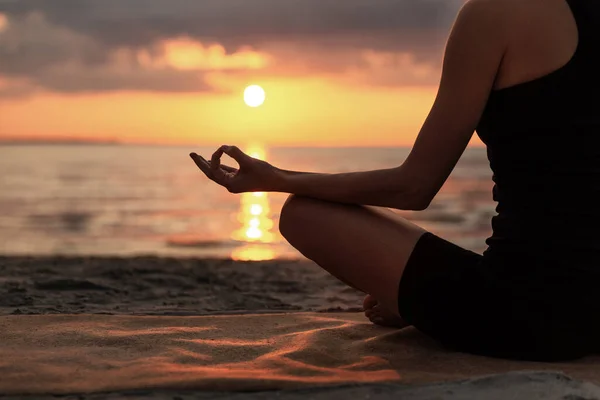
(279, 181)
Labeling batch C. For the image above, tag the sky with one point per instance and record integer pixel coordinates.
(335, 72)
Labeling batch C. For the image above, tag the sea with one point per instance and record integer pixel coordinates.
(126, 200)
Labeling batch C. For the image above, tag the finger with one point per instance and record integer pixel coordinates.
(204, 167)
(218, 175)
(227, 168)
(235, 153)
(215, 160)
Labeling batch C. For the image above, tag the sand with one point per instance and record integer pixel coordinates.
(165, 286)
(145, 328)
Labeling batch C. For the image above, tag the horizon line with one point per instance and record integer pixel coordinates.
(116, 142)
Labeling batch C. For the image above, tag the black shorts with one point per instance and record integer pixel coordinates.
(454, 296)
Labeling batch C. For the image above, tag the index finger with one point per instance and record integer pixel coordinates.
(202, 164)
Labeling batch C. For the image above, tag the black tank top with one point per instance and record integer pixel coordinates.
(543, 143)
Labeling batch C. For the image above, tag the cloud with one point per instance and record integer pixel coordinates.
(3, 22)
(30, 43)
(185, 53)
(42, 56)
(238, 22)
(170, 45)
(393, 69)
(14, 88)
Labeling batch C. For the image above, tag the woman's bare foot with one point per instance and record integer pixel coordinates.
(380, 316)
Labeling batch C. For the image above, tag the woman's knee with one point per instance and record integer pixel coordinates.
(291, 214)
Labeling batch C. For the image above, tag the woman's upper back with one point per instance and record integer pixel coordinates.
(542, 37)
(542, 128)
(549, 80)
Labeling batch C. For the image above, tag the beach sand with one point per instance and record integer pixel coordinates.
(167, 286)
(146, 327)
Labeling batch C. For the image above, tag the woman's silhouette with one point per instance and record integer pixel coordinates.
(526, 76)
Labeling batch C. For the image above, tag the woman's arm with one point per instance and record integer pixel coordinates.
(472, 59)
(375, 188)
(473, 55)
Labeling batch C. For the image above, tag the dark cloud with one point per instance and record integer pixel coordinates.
(140, 22)
(44, 34)
(30, 43)
(103, 80)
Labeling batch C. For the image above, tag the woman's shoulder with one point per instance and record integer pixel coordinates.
(514, 10)
(495, 12)
(490, 18)
(513, 17)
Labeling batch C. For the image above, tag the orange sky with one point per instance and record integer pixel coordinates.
(187, 89)
(296, 112)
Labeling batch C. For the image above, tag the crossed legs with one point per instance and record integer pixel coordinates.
(365, 247)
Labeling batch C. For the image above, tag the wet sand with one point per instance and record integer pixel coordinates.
(167, 286)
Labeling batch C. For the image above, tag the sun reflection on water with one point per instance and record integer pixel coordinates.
(256, 222)
(253, 253)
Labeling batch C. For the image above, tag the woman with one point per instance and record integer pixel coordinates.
(525, 76)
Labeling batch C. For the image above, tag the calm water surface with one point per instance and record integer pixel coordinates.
(128, 200)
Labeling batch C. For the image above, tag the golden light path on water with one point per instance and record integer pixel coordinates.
(254, 216)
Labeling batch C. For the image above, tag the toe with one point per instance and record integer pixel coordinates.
(369, 302)
(375, 314)
(378, 315)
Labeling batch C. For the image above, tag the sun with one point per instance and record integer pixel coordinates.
(254, 96)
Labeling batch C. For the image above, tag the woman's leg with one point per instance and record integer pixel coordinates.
(365, 247)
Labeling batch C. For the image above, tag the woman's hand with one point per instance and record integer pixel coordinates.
(253, 175)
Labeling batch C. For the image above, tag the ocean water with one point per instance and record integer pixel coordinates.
(145, 200)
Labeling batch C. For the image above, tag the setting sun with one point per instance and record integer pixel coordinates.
(254, 96)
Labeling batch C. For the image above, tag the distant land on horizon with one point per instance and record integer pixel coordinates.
(57, 141)
(11, 141)
(69, 141)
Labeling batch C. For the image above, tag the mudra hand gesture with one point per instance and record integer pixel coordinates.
(253, 175)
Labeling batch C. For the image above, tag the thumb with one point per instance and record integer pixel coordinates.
(237, 154)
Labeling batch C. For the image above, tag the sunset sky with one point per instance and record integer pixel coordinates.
(336, 72)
